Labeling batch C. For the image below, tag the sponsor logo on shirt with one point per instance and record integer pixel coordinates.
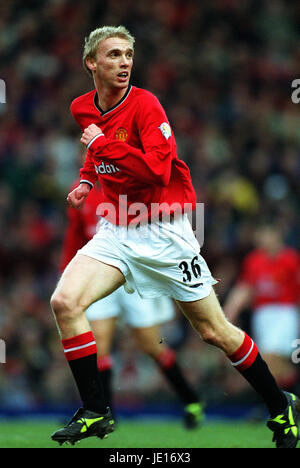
(165, 130)
(121, 134)
(106, 168)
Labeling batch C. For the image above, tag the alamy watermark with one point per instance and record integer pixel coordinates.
(127, 220)
(296, 93)
(2, 352)
(2, 92)
(296, 353)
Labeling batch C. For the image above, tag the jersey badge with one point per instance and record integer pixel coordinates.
(121, 134)
(165, 130)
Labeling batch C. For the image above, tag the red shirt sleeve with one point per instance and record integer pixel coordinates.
(87, 172)
(153, 163)
(74, 239)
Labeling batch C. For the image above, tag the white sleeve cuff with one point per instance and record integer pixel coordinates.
(83, 181)
(93, 139)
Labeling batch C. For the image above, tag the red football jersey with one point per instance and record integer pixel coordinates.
(274, 279)
(136, 158)
(82, 225)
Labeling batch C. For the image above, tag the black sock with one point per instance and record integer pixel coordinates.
(81, 353)
(172, 371)
(88, 382)
(263, 382)
(247, 360)
(106, 379)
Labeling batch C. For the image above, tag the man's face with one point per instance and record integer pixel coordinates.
(268, 239)
(113, 63)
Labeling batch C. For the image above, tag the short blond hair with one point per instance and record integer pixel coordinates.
(100, 34)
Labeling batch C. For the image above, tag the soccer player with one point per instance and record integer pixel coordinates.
(131, 149)
(144, 317)
(269, 283)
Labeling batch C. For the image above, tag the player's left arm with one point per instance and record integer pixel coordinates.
(153, 165)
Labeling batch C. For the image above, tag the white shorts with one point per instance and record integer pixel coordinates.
(158, 259)
(275, 327)
(135, 311)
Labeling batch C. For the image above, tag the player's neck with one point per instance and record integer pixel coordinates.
(273, 251)
(109, 97)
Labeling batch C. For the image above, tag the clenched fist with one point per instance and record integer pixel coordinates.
(89, 133)
(77, 197)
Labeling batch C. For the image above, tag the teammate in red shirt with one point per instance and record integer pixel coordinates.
(269, 283)
(132, 150)
(272, 272)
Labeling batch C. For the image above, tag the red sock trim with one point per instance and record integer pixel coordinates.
(166, 358)
(245, 355)
(105, 362)
(79, 346)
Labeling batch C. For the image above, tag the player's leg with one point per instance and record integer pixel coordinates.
(148, 340)
(207, 318)
(104, 330)
(102, 316)
(83, 282)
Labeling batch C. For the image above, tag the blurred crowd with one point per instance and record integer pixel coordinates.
(223, 70)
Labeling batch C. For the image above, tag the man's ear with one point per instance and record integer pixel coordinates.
(91, 64)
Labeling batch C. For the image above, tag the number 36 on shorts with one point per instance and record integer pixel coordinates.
(190, 270)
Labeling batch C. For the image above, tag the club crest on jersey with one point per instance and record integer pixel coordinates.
(121, 134)
(165, 130)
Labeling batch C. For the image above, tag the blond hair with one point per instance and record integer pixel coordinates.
(100, 34)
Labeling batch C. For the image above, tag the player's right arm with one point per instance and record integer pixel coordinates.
(241, 294)
(88, 176)
(239, 298)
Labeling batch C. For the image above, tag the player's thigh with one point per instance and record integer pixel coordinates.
(86, 280)
(207, 317)
(148, 339)
(103, 331)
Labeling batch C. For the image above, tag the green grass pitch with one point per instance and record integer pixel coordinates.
(140, 434)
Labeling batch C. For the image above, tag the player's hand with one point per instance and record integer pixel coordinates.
(77, 197)
(89, 133)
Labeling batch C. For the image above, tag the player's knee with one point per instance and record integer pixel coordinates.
(63, 306)
(209, 333)
(57, 302)
(221, 335)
